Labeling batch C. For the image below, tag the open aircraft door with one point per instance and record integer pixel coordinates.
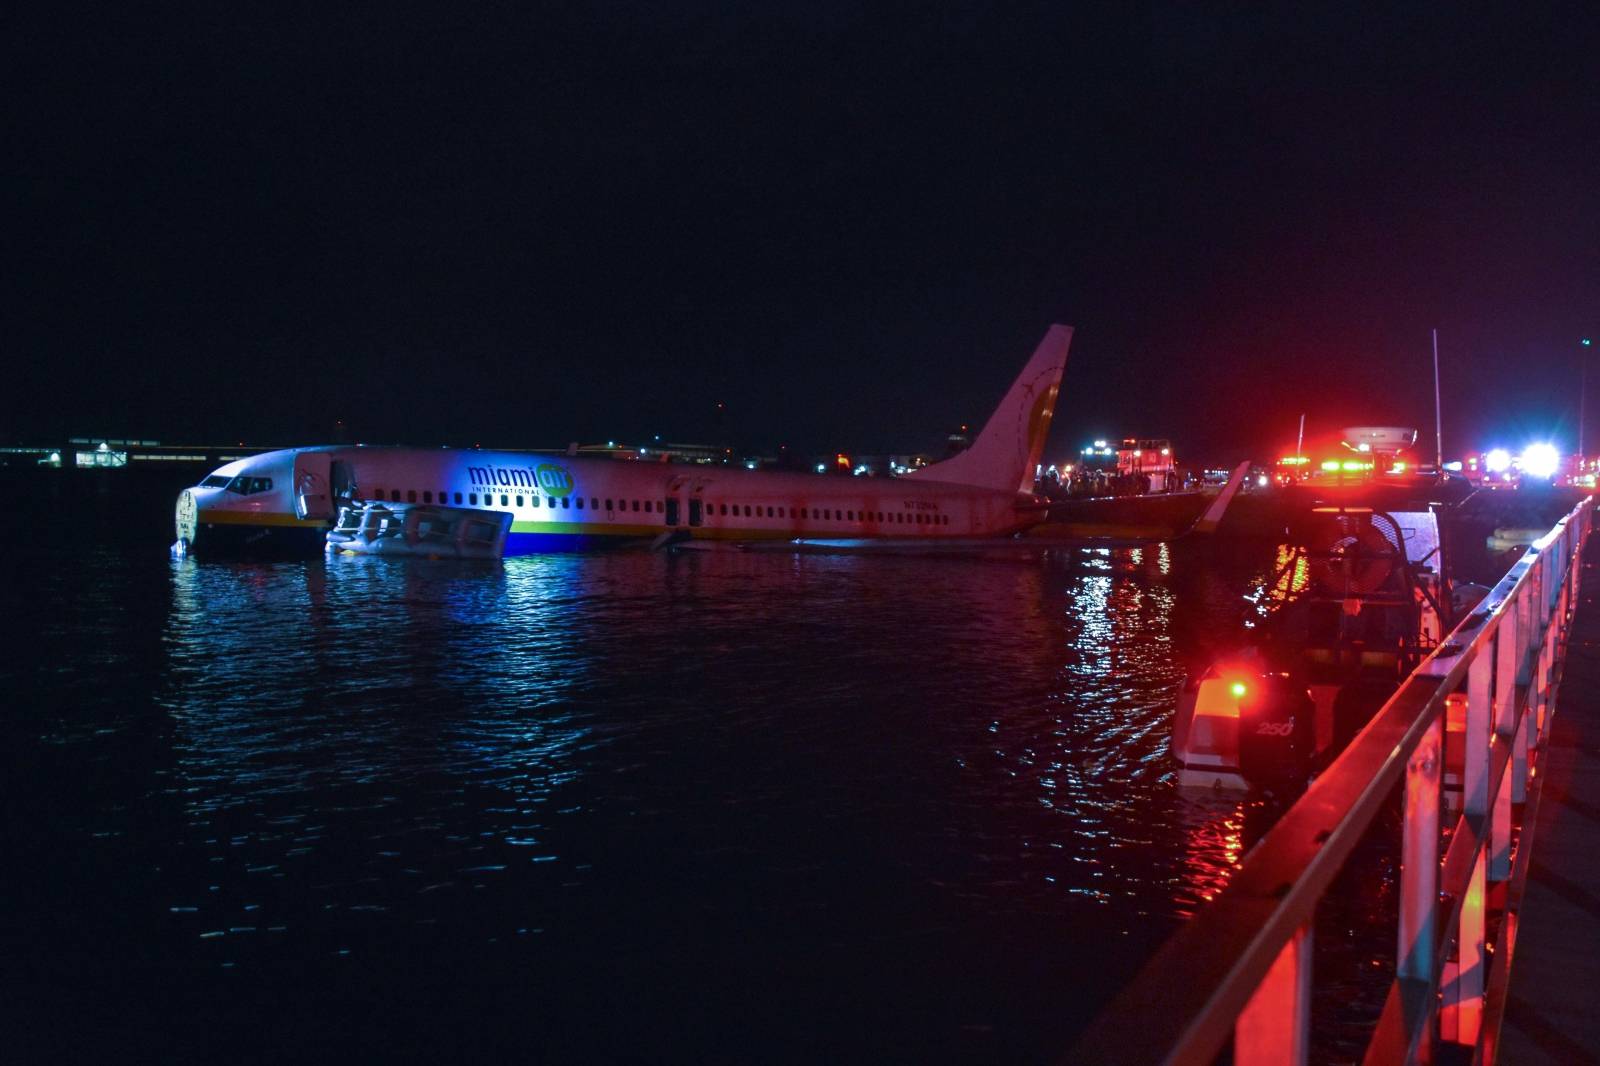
(685, 507)
(697, 505)
(675, 503)
(313, 486)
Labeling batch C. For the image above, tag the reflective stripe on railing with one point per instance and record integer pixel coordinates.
(1242, 967)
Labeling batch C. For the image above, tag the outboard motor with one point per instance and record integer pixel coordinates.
(1277, 733)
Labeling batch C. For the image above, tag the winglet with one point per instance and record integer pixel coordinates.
(1213, 517)
(1005, 455)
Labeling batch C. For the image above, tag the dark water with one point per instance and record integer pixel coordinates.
(647, 807)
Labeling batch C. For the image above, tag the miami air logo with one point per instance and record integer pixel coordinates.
(554, 479)
(551, 477)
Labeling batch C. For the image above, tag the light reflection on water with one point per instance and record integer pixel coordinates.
(926, 799)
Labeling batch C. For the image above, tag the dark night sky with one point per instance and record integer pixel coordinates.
(524, 225)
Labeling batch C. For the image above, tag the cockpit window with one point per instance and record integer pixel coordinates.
(249, 486)
(214, 481)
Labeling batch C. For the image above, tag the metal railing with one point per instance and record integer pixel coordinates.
(1242, 968)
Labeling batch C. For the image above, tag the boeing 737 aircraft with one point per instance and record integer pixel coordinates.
(286, 499)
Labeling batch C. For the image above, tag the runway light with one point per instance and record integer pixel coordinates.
(1541, 461)
(1497, 460)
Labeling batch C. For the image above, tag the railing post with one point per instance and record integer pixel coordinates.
(1475, 738)
(1527, 622)
(1505, 666)
(1461, 1009)
(1274, 1029)
(1419, 854)
(1462, 981)
(1498, 845)
(1546, 676)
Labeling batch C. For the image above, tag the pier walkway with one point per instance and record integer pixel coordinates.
(1552, 1014)
(1492, 748)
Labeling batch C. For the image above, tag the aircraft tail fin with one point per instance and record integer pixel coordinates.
(1005, 454)
(1213, 517)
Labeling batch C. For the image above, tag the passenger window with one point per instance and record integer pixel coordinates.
(566, 503)
(411, 495)
(458, 497)
(608, 505)
(580, 503)
(394, 495)
(474, 498)
(427, 495)
(635, 505)
(723, 508)
(594, 504)
(534, 500)
(504, 501)
(519, 501)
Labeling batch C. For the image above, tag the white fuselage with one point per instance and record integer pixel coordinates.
(558, 501)
(565, 501)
